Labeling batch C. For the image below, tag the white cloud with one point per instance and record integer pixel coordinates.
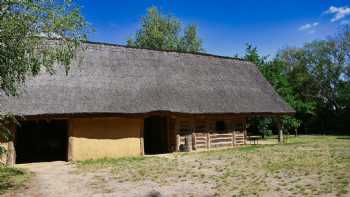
(311, 31)
(338, 12)
(308, 26)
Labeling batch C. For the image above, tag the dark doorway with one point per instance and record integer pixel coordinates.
(39, 141)
(156, 135)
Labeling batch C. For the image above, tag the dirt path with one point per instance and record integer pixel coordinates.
(62, 179)
(54, 179)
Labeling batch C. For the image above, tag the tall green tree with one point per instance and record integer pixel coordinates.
(34, 36)
(319, 72)
(190, 41)
(164, 32)
(274, 72)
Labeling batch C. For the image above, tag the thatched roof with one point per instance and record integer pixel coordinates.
(116, 79)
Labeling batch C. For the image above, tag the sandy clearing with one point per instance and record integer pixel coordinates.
(61, 179)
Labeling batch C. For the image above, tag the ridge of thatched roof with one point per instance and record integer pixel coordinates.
(167, 50)
(114, 79)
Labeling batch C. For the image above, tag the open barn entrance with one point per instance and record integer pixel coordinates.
(156, 135)
(40, 141)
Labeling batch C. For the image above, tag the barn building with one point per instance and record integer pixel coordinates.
(121, 101)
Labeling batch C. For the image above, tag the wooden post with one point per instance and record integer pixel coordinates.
(193, 141)
(70, 140)
(188, 142)
(208, 140)
(280, 136)
(280, 130)
(245, 132)
(178, 142)
(233, 138)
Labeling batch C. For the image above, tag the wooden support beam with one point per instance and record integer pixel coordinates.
(280, 130)
(208, 141)
(193, 141)
(178, 140)
(188, 142)
(233, 138)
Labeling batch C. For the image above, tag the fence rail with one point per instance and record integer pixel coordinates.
(208, 140)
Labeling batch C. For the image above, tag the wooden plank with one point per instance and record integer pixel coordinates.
(221, 135)
(215, 143)
(221, 138)
(201, 139)
(200, 134)
(201, 144)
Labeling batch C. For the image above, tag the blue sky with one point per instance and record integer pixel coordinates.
(225, 25)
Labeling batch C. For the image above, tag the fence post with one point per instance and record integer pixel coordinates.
(280, 130)
(233, 138)
(178, 142)
(188, 142)
(193, 141)
(208, 140)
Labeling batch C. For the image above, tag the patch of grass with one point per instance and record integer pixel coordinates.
(248, 149)
(307, 165)
(11, 178)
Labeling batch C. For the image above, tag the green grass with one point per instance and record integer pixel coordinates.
(306, 166)
(11, 178)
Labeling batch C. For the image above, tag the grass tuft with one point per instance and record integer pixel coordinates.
(12, 178)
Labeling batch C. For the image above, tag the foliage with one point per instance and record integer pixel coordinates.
(314, 80)
(318, 73)
(163, 32)
(264, 126)
(35, 34)
(190, 41)
(273, 71)
(5, 132)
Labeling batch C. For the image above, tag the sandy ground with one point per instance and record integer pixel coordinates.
(52, 179)
(61, 179)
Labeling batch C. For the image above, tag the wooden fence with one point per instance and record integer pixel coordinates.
(210, 140)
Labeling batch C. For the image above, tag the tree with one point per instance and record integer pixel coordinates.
(35, 35)
(190, 41)
(319, 73)
(163, 32)
(273, 71)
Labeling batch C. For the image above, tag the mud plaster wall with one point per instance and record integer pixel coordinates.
(3, 157)
(93, 138)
